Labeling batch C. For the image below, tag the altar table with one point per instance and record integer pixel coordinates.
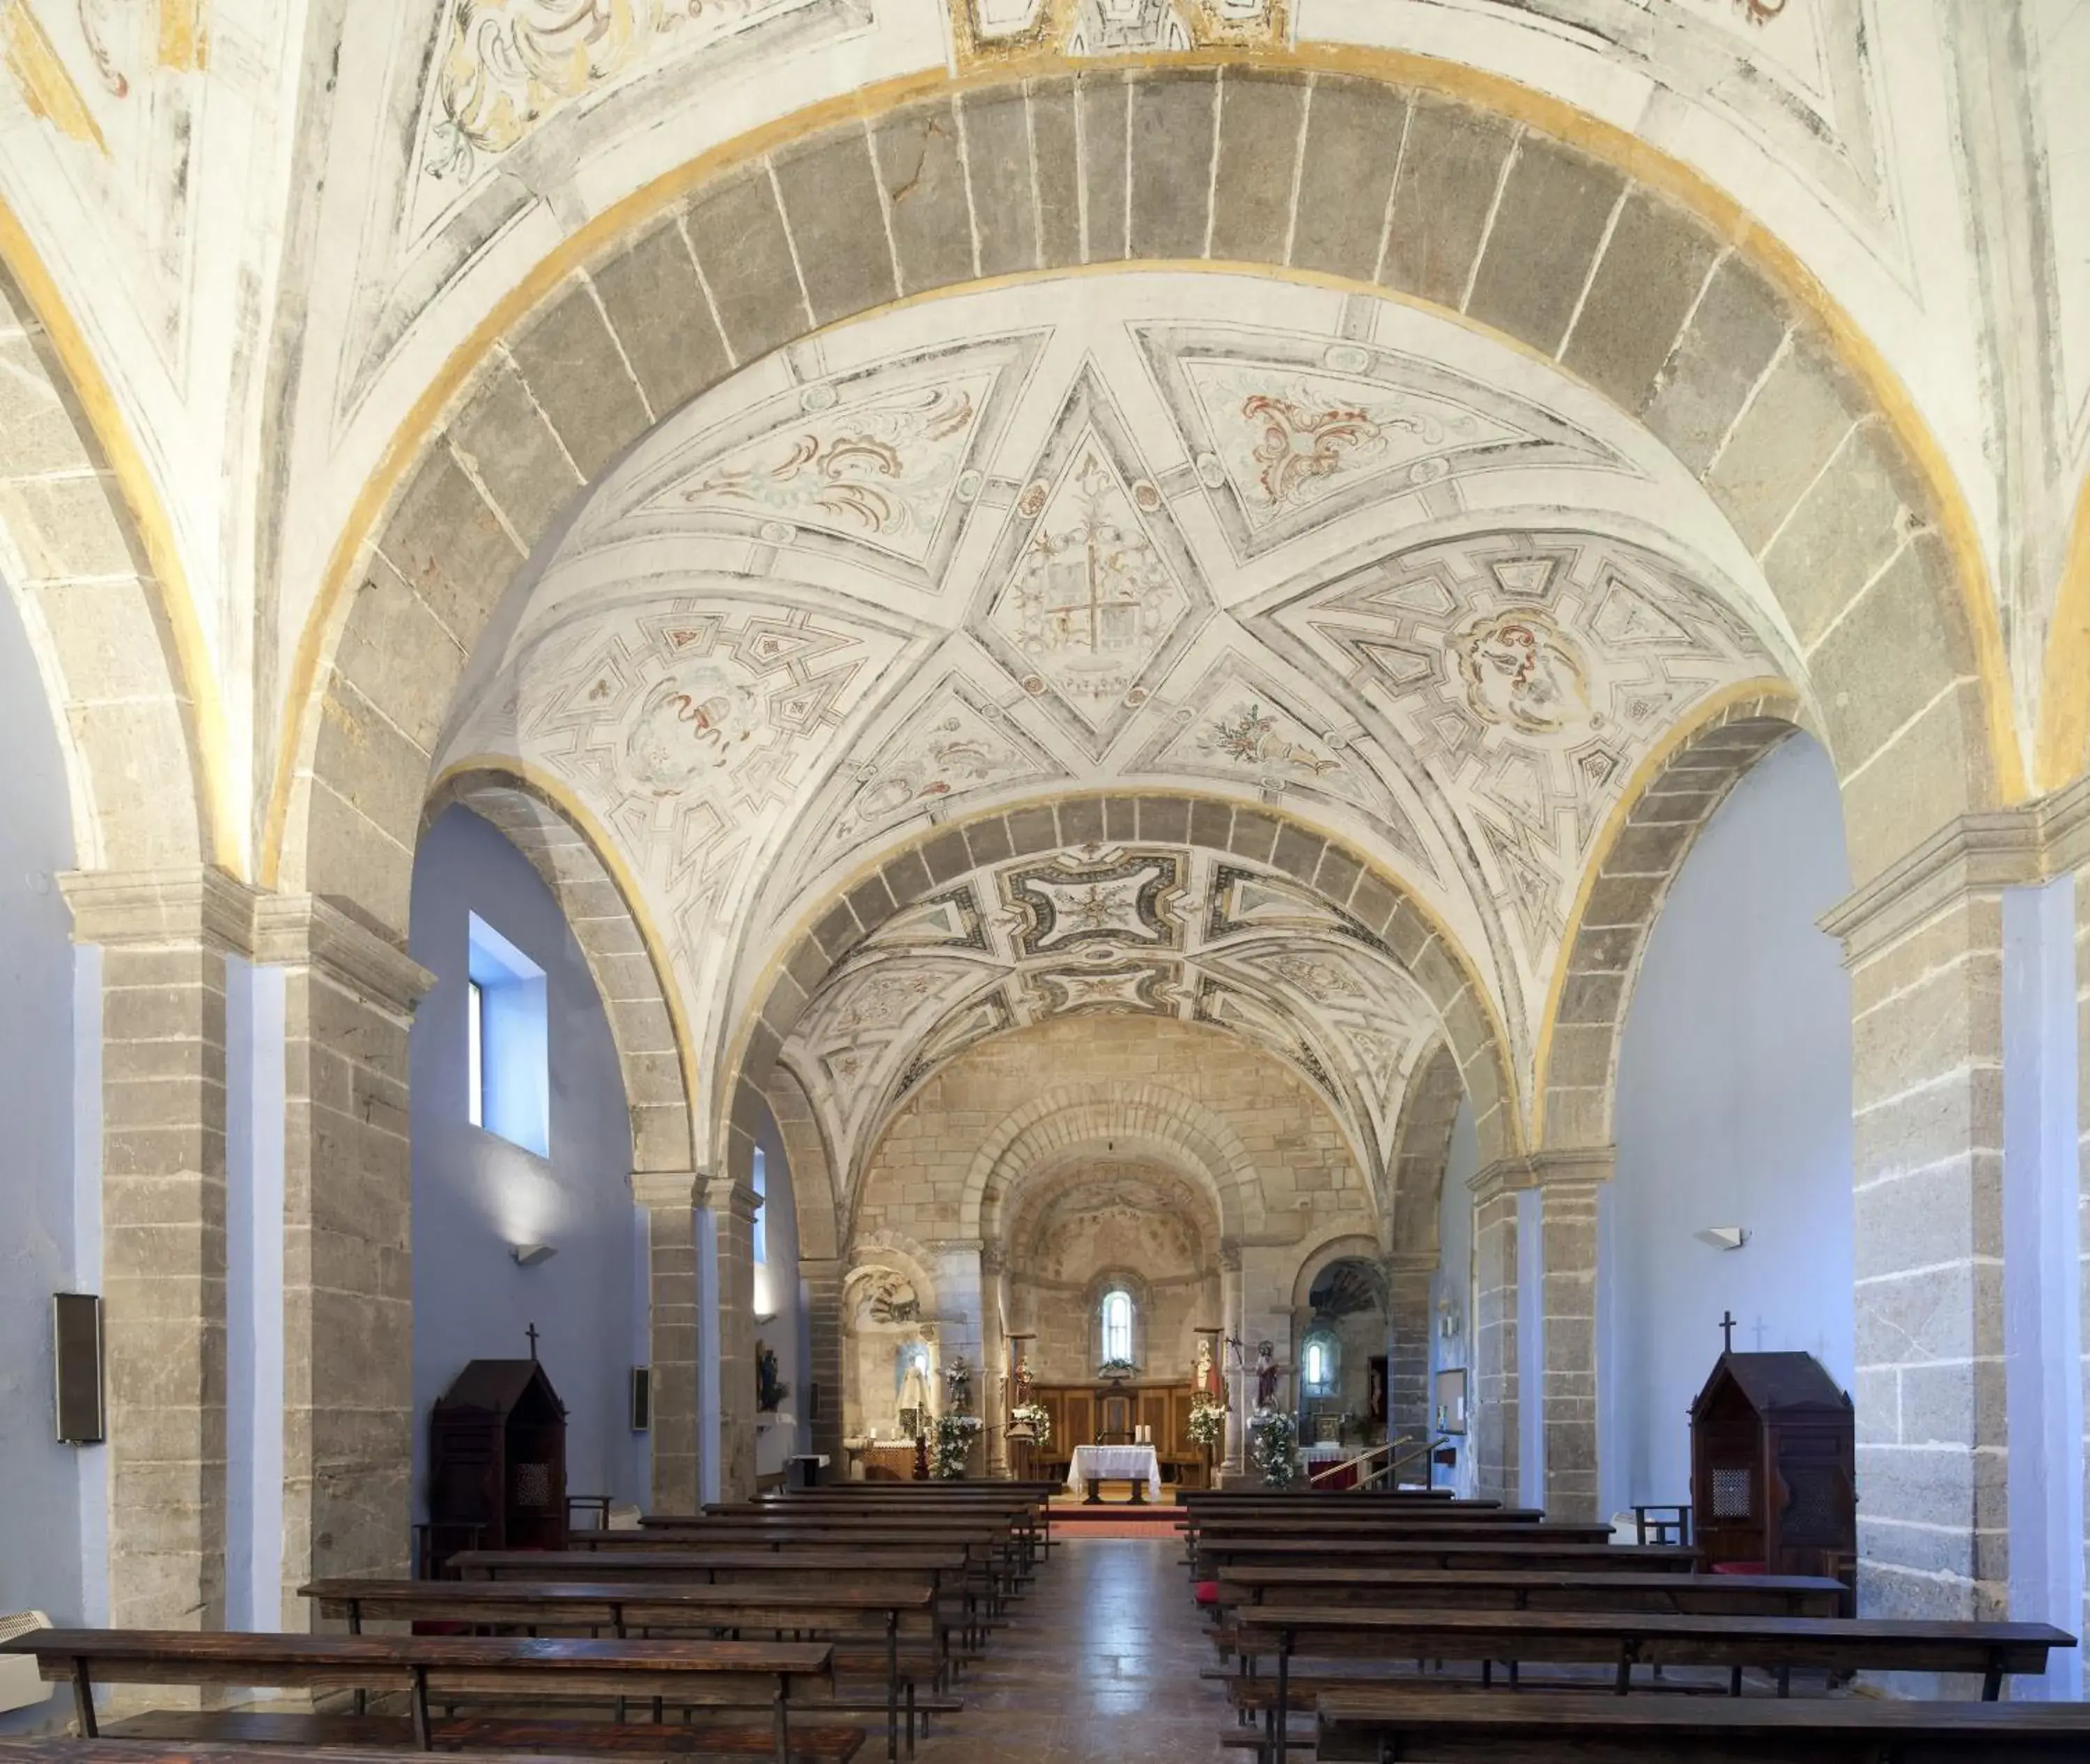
(1134, 1464)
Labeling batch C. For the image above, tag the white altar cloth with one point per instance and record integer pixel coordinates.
(1115, 1464)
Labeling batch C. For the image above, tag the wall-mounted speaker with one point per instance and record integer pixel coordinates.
(642, 1398)
(76, 1342)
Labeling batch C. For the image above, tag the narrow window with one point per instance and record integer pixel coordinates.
(507, 1056)
(762, 1212)
(1117, 1325)
(475, 1031)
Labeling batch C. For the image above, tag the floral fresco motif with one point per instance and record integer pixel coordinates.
(1087, 28)
(1251, 736)
(882, 471)
(508, 63)
(1523, 671)
(701, 719)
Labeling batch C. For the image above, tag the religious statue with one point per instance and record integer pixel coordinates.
(1022, 1380)
(1265, 1375)
(1204, 1375)
(914, 1393)
(770, 1390)
(958, 1386)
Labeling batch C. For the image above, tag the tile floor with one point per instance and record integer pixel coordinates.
(1098, 1662)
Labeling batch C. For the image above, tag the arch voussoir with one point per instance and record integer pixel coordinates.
(1579, 1067)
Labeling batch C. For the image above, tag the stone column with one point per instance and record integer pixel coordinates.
(991, 1387)
(1407, 1277)
(348, 1293)
(731, 1204)
(1493, 1412)
(1568, 1185)
(670, 1198)
(1233, 1463)
(1923, 944)
(822, 1282)
(961, 1305)
(164, 936)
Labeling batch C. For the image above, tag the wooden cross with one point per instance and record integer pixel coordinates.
(1727, 1329)
(531, 1332)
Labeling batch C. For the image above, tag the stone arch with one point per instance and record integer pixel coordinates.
(1661, 293)
(1343, 877)
(1339, 1246)
(95, 571)
(1071, 1119)
(819, 1246)
(1422, 1150)
(631, 975)
(1651, 835)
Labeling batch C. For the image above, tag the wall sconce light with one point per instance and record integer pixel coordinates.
(528, 1255)
(1723, 1237)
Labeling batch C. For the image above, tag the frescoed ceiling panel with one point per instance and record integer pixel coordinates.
(964, 557)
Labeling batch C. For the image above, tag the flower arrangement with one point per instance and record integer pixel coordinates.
(1207, 1424)
(1274, 1439)
(954, 1439)
(1038, 1418)
(1117, 1369)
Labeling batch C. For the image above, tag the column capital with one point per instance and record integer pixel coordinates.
(294, 931)
(1971, 856)
(665, 1190)
(1230, 1255)
(722, 1194)
(1588, 1167)
(191, 905)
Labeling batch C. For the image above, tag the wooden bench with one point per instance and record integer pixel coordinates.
(1622, 1641)
(630, 1745)
(945, 1572)
(1216, 1560)
(708, 1674)
(1366, 1723)
(1762, 1595)
(833, 1613)
(1000, 1550)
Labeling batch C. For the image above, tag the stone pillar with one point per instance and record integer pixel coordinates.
(1923, 944)
(348, 1292)
(961, 1306)
(164, 936)
(1493, 1412)
(1233, 1463)
(822, 1280)
(670, 1198)
(731, 1204)
(1569, 1183)
(991, 1387)
(1407, 1277)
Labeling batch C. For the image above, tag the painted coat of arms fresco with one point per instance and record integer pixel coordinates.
(1089, 28)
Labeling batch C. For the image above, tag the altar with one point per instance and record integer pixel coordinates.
(1137, 1464)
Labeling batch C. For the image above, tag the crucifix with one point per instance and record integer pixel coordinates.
(532, 1332)
(1727, 1330)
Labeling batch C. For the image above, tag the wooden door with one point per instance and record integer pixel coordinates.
(1081, 1419)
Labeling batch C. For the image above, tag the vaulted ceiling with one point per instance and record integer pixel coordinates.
(1255, 541)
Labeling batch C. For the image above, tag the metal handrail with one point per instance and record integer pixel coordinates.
(1353, 1464)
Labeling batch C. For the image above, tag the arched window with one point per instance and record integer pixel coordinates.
(760, 1184)
(1317, 1365)
(1117, 1325)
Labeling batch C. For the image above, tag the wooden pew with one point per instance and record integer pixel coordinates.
(258, 1739)
(1216, 1559)
(1622, 1641)
(832, 1613)
(1377, 1724)
(703, 1673)
(1762, 1595)
(945, 1571)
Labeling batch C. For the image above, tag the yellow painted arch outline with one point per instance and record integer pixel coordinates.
(195, 674)
(1626, 153)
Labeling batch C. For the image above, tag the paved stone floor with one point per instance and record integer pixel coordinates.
(1098, 1661)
